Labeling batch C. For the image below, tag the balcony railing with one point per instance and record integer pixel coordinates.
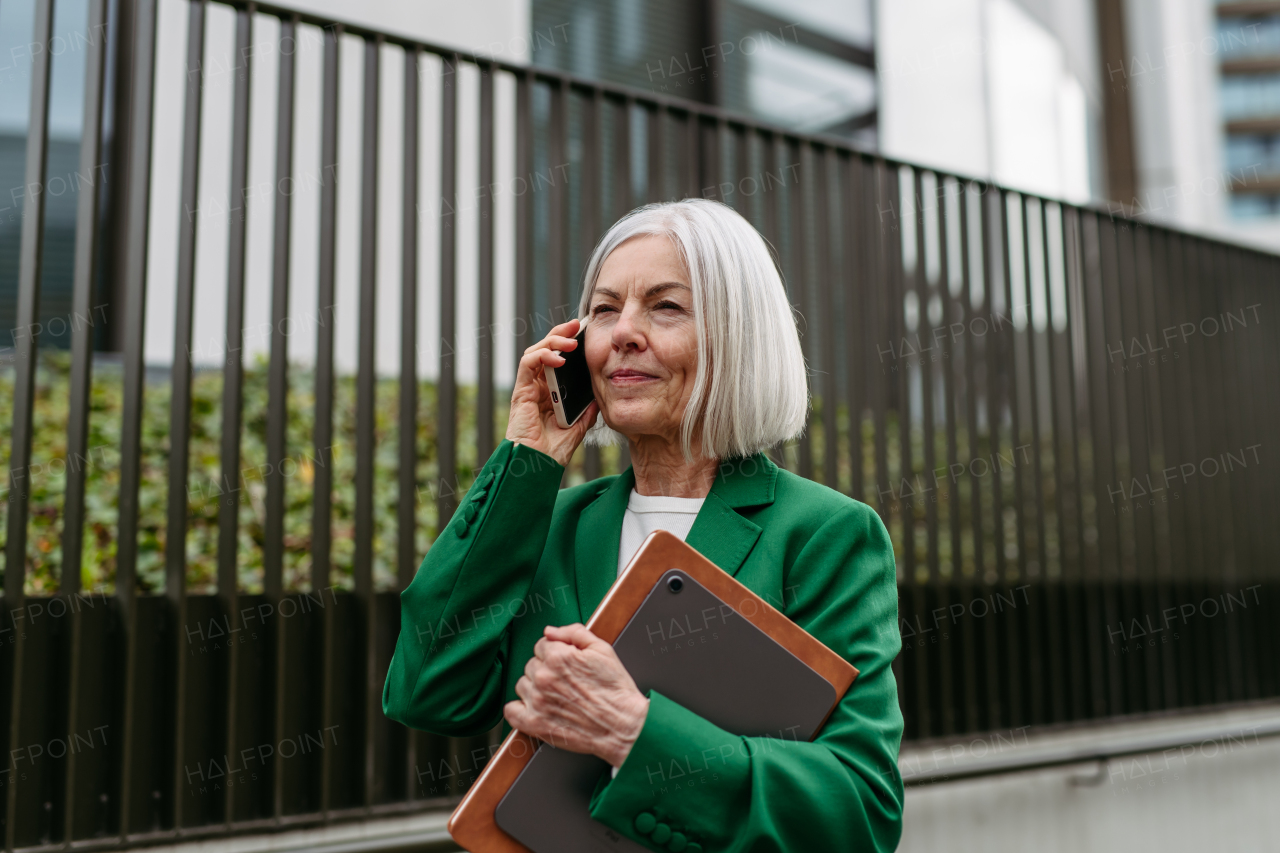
(1066, 418)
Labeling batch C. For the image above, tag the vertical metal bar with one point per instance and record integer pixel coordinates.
(1009, 341)
(278, 369)
(558, 209)
(1107, 569)
(925, 345)
(484, 383)
(826, 310)
(25, 340)
(800, 279)
(524, 212)
(180, 379)
(81, 377)
(278, 398)
(1176, 533)
(1035, 671)
(855, 260)
(24, 379)
(138, 175)
(927, 670)
(973, 715)
(407, 511)
(710, 137)
(593, 108)
(772, 236)
(913, 698)
(366, 406)
(949, 369)
(87, 244)
(322, 430)
(692, 154)
(1086, 670)
(233, 378)
(741, 169)
(657, 153)
(407, 561)
(878, 307)
(906, 467)
(1144, 426)
(1057, 630)
(994, 356)
(623, 197)
(447, 391)
(366, 390)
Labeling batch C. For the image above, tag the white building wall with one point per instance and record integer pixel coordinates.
(1171, 75)
(984, 88)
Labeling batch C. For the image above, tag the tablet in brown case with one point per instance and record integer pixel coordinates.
(689, 630)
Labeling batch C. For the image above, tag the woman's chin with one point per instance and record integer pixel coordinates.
(629, 419)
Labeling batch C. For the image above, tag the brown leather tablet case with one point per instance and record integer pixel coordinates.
(685, 627)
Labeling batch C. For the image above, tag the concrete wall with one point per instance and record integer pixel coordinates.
(1216, 789)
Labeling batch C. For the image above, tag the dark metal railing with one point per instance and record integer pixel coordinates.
(1029, 392)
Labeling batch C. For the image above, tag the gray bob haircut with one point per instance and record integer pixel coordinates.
(751, 390)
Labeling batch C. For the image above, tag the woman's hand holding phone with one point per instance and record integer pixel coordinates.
(532, 421)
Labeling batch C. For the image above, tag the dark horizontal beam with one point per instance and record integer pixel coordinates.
(1263, 124)
(757, 19)
(1261, 7)
(1251, 65)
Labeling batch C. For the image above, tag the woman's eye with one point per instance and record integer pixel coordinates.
(670, 305)
(599, 308)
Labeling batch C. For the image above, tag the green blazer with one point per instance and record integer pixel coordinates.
(522, 553)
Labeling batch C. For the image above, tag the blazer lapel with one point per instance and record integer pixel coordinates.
(599, 536)
(719, 533)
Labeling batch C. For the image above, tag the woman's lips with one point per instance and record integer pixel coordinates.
(630, 377)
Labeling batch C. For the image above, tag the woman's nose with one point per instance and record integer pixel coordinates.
(628, 330)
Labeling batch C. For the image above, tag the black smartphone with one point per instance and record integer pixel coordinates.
(570, 383)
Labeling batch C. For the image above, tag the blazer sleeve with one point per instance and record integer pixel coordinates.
(691, 785)
(446, 675)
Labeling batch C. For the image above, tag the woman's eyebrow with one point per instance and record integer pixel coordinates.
(652, 291)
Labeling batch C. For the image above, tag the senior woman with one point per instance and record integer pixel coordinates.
(696, 363)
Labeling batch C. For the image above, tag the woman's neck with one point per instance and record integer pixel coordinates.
(660, 469)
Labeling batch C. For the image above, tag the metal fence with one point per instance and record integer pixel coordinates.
(1065, 417)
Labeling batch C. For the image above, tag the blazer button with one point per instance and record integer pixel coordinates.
(677, 843)
(484, 481)
(660, 833)
(645, 822)
(694, 847)
(460, 527)
(469, 513)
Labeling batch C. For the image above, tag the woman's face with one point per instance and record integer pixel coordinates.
(642, 345)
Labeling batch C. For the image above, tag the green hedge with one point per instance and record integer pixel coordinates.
(49, 465)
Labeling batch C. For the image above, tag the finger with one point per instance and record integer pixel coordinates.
(561, 342)
(525, 689)
(575, 634)
(532, 361)
(519, 716)
(569, 329)
(531, 668)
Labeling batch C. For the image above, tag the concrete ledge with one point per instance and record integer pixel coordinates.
(1029, 748)
(419, 833)
(1207, 781)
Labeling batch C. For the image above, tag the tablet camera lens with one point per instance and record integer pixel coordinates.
(675, 584)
